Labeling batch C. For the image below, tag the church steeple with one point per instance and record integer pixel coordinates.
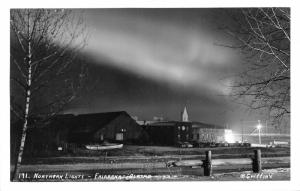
(184, 115)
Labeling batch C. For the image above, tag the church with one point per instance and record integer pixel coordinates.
(172, 132)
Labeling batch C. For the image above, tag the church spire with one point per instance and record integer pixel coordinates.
(184, 115)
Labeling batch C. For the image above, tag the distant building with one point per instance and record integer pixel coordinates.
(168, 132)
(155, 118)
(147, 122)
(173, 132)
(208, 133)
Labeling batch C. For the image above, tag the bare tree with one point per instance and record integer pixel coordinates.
(44, 43)
(263, 36)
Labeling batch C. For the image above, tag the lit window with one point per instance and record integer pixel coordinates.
(183, 128)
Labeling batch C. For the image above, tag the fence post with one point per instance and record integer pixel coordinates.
(207, 164)
(256, 163)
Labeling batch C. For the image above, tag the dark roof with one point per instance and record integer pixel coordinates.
(61, 116)
(83, 123)
(168, 123)
(193, 123)
(163, 123)
(94, 121)
(205, 125)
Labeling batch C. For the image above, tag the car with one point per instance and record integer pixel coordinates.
(188, 145)
(223, 144)
(184, 144)
(246, 144)
(213, 144)
(202, 145)
(180, 144)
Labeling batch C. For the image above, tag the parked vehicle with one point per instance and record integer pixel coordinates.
(184, 144)
(188, 145)
(246, 144)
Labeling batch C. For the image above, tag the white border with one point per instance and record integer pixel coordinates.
(5, 184)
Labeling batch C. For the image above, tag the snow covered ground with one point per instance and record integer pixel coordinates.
(265, 175)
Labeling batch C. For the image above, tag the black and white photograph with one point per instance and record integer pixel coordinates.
(150, 94)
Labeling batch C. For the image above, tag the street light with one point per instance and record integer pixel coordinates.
(229, 138)
(258, 127)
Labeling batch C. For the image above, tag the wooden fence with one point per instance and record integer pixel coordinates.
(207, 164)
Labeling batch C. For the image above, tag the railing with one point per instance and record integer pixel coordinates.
(207, 164)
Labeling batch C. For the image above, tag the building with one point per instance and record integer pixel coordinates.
(79, 130)
(168, 132)
(173, 132)
(117, 126)
(110, 126)
(208, 133)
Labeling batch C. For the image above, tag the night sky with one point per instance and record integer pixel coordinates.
(153, 62)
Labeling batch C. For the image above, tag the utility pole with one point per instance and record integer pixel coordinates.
(259, 128)
(266, 128)
(242, 124)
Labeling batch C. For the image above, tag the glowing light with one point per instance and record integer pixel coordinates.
(258, 126)
(229, 138)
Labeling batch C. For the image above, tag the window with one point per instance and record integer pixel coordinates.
(183, 128)
(123, 130)
(198, 136)
(119, 136)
